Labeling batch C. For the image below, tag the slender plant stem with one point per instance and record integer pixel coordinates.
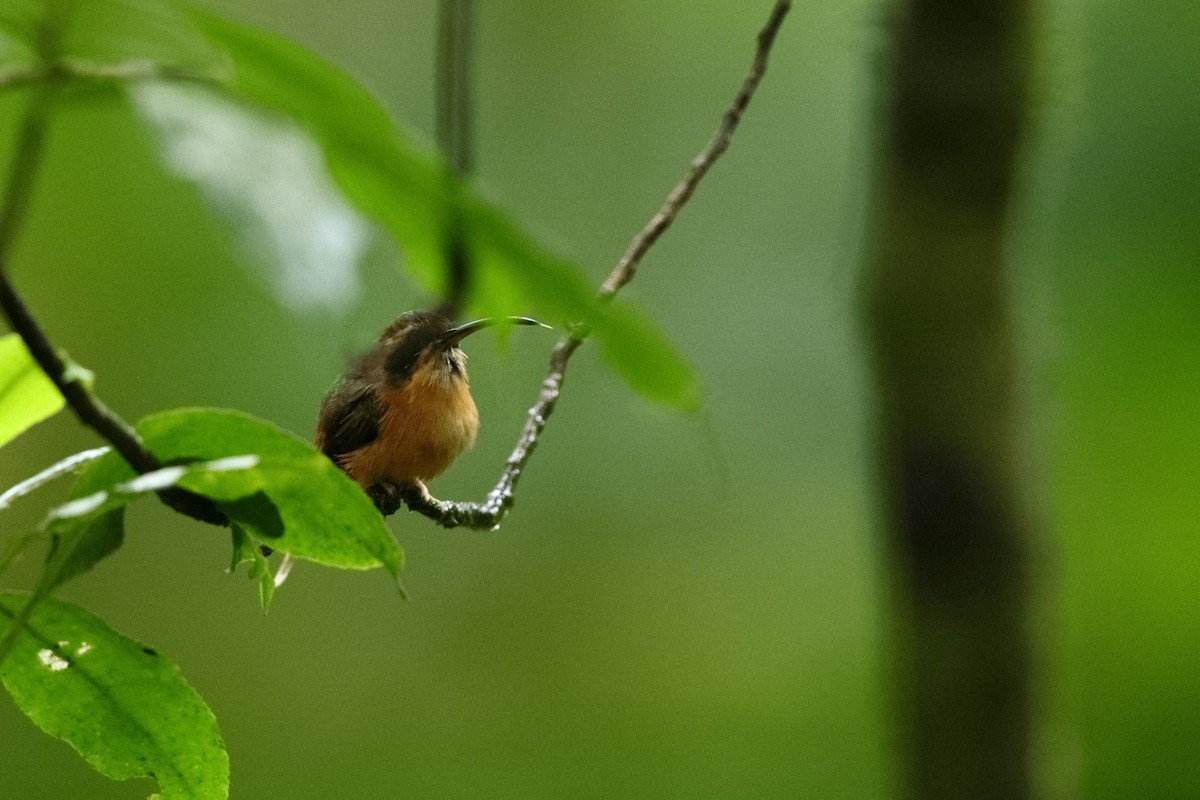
(454, 95)
(454, 135)
(627, 267)
(489, 514)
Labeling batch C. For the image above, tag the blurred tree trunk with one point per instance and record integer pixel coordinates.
(950, 425)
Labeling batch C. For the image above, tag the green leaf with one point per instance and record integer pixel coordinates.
(325, 124)
(635, 349)
(91, 526)
(407, 189)
(81, 542)
(268, 178)
(513, 270)
(27, 396)
(245, 551)
(18, 30)
(115, 31)
(123, 707)
(100, 32)
(380, 169)
(325, 516)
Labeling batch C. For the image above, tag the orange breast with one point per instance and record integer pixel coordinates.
(428, 421)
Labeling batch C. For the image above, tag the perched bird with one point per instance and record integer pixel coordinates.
(403, 411)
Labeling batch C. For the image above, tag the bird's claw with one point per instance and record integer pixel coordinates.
(387, 497)
(415, 494)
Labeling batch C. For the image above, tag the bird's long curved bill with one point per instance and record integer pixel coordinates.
(460, 332)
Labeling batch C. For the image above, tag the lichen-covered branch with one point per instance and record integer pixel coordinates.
(489, 514)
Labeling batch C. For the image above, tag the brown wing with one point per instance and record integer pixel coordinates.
(349, 419)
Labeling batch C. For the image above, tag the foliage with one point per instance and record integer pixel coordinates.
(245, 115)
(408, 190)
(26, 395)
(124, 707)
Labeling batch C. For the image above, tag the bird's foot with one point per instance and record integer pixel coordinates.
(415, 494)
(387, 497)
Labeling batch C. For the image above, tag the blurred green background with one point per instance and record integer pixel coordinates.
(677, 607)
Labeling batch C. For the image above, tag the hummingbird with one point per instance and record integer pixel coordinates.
(403, 411)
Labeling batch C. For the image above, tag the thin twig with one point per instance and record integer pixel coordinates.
(490, 513)
(71, 380)
(627, 267)
(454, 135)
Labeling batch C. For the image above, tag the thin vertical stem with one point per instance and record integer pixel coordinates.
(454, 135)
(454, 100)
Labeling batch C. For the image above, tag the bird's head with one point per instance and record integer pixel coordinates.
(425, 345)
